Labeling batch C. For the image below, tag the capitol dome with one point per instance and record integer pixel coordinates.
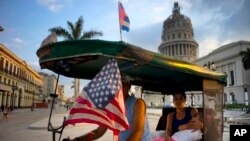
(178, 37)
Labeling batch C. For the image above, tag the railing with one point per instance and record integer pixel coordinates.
(11, 73)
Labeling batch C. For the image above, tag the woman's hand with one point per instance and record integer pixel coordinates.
(189, 125)
(196, 124)
(168, 138)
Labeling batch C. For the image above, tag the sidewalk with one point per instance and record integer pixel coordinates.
(240, 120)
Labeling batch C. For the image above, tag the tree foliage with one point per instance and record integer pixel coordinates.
(75, 31)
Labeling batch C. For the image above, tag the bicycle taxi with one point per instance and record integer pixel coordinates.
(152, 71)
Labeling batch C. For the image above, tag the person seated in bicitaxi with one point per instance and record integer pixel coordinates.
(184, 124)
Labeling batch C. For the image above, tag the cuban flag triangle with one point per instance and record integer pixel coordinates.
(123, 18)
(101, 101)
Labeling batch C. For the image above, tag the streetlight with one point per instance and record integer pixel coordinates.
(210, 65)
(246, 94)
(13, 99)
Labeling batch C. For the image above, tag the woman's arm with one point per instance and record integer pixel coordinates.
(138, 118)
(194, 113)
(190, 125)
(169, 126)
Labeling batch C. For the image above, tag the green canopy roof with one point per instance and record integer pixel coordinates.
(85, 58)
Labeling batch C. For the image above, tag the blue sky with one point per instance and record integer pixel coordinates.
(26, 23)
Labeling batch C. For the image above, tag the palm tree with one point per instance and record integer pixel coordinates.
(246, 58)
(1, 28)
(75, 33)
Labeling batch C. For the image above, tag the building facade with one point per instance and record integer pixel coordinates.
(226, 59)
(178, 37)
(20, 85)
(49, 86)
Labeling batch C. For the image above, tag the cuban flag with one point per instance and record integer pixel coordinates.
(123, 18)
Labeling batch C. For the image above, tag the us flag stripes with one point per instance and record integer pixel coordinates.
(101, 101)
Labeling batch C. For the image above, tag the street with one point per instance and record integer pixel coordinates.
(27, 125)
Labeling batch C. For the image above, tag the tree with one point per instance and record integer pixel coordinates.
(1, 28)
(75, 33)
(246, 58)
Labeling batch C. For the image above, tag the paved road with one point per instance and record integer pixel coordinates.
(16, 128)
(24, 125)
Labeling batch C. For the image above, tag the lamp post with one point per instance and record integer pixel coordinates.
(246, 94)
(13, 99)
(210, 65)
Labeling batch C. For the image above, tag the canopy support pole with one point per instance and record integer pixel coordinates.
(58, 130)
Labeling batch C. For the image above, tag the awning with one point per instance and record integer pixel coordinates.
(85, 58)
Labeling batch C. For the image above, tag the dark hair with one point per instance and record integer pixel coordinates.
(180, 92)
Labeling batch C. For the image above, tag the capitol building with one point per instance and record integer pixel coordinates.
(178, 37)
(178, 42)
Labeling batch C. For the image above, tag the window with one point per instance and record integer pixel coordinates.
(179, 35)
(14, 69)
(232, 96)
(7, 65)
(173, 36)
(10, 68)
(232, 78)
(225, 97)
(1, 62)
(185, 36)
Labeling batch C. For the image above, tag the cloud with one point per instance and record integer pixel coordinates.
(208, 45)
(147, 37)
(17, 43)
(53, 5)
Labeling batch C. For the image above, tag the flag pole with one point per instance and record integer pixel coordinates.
(120, 33)
(119, 22)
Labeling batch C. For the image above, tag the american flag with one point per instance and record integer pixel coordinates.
(101, 101)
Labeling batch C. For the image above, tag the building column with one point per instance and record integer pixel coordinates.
(1, 98)
(15, 101)
(170, 50)
(173, 50)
